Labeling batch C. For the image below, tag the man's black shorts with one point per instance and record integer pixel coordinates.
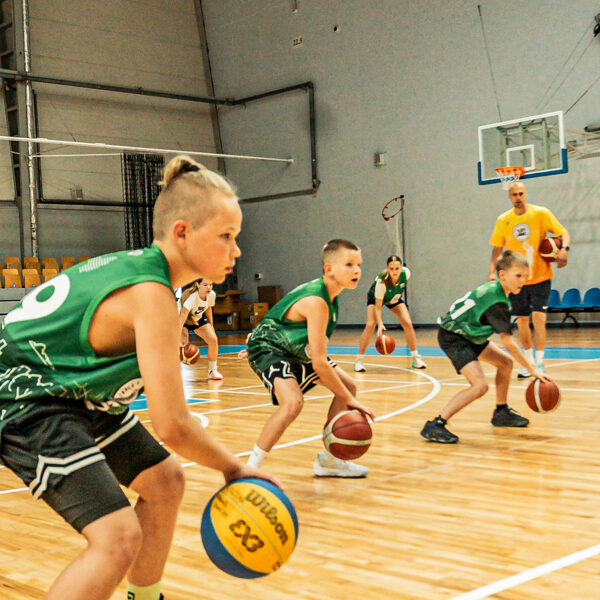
(460, 350)
(74, 458)
(531, 298)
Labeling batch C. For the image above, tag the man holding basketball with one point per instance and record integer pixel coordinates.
(522, 229)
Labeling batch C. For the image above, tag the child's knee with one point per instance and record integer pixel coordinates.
(292, 407)
(481, 388)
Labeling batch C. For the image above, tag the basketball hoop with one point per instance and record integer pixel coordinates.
(394, 224)
(508, 175)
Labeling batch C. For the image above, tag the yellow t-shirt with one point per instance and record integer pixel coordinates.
(524, 233)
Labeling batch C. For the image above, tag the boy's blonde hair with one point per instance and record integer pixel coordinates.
(333, 246)
(186, 194)
(509, 259)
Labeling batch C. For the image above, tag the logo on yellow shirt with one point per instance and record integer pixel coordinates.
(521, 232)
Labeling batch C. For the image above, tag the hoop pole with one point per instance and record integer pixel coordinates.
(38, 140)
(403, 249)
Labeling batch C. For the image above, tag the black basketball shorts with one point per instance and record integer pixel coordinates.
(531, 298)
(203, 320)
(460, 350)
(303, 373)
(74, 459)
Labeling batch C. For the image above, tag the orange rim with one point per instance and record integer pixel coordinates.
(515, 171)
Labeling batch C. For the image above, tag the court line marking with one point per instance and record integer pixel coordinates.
(436, 388)
(514, 580)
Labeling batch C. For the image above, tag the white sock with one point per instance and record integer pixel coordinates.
(212, 365)
(256, 457)
(359, 357)
(414, 353)
(528, 354)
(539, 356)
(327, 455)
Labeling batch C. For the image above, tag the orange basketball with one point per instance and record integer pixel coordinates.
(189, 354)
(348, 435)
(549, 248)
(541, 396)
(385, 344)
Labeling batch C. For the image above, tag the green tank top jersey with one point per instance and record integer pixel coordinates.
(289, 339)
(464, 316)
(393, 293)
(44, 348)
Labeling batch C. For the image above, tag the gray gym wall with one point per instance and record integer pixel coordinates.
(410, 79)
(147, 43)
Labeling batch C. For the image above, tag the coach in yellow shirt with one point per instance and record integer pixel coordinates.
(521, 229)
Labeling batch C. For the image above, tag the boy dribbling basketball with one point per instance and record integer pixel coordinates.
(464, 336)
(288, 351)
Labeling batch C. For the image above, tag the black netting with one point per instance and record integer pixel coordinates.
(141, 174)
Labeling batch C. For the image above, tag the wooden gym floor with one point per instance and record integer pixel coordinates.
(506, 513)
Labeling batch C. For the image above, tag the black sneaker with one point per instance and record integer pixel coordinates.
(436, 431)
(507, 417)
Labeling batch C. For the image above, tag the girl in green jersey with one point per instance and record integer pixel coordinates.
(388, 289)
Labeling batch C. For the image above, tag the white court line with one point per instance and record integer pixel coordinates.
(436, 388)
(524, 387)
(514, 580)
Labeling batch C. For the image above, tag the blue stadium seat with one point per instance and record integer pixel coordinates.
(591, 299)
(571, 302)
(554, 301)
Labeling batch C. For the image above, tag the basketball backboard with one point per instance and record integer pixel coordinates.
(537, 143)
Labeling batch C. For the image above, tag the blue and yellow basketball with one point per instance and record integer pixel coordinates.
(249, 528)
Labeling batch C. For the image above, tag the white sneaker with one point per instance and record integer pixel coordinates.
(418, 363)
(540, 366)
(523, 373)
(359, 366)
(215, 375)
(326, 465)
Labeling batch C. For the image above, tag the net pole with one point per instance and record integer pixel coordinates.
(39, 140)
(29, 115)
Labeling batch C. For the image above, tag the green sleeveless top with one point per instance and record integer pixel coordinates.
(464, 316)
(44, 348)
(290, 338)
(393, 292)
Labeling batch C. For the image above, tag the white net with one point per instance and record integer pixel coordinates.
(392, 214)
(508, 175)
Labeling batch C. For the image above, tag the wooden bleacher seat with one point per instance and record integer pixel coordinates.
(12, 278)
(31, 262)
(49, 263)
(31, 278)
(67, 261)
(11, 259)
(49, 274)
(14, 265)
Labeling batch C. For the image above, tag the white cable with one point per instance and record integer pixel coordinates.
(11, 138)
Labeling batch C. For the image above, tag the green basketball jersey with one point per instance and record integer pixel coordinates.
(289, 338)
(393, 292)
(44, 348)
(464, 316)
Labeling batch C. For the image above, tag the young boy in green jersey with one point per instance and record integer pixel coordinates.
(288, 351)
(74, 355)
(463, 336)
(387, 290)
